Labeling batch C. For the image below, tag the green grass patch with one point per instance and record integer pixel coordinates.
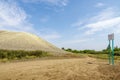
(102, 56)
(6, 55)
(70, 55)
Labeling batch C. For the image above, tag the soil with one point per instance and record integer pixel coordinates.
(60, 69)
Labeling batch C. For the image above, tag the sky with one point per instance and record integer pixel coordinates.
(76, 24)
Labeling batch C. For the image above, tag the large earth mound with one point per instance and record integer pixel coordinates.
(25, 41)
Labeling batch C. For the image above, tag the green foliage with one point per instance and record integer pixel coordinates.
(116, 48)
(89, 51)
(117, 53)
(104, 51)
(19, 54)
(81, 51)
(97, 54)
(69, 50)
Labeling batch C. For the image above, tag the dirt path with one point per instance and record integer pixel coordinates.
(59, 69)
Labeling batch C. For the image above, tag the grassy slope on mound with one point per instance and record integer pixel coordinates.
(20, 54)
(8, 55)
(24, 41)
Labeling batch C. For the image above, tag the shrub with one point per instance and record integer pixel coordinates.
(117, 53)
(19, 54)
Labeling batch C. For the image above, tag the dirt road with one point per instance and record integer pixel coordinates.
(58, 69)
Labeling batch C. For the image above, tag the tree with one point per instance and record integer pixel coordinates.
(116, 48)
(70, 50)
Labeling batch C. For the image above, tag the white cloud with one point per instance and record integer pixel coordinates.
(98, 27)
(102, 25)
(79, 23)
(100, 4)
(51, 2)
(106, 20)
(106, 13)
(13, 17)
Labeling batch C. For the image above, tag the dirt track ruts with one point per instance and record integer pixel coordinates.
(58, 69)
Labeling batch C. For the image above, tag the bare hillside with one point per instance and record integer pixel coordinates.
(24, 41)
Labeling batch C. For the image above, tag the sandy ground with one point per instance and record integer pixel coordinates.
(59, 69)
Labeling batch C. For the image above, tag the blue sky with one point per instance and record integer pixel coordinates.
(76, 24)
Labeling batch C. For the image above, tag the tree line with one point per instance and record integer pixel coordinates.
(87, 51)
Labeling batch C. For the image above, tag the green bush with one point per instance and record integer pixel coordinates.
(19, 54)
(87, 51)
(117, 53)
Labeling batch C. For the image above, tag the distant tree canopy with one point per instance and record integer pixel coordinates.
(104, 51)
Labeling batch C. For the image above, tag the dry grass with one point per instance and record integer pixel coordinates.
(109, 72)
(24, 41)
(58, 69)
